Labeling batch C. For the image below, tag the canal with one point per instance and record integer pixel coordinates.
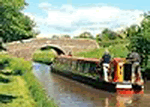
(69, 93)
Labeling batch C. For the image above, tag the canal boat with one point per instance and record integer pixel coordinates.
(85, 70)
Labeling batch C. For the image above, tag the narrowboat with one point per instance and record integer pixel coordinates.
(85, 70)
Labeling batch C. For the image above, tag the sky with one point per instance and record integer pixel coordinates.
(74, 17)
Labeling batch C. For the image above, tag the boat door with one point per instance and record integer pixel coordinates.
(118, 70)
(127, 72)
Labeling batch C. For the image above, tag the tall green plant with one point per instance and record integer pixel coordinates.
(140, 42)
(132, 30)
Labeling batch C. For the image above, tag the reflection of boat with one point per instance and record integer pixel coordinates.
(132, 100)
(123, 101)
(83, 69)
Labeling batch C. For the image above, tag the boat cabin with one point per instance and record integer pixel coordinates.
(119, 70)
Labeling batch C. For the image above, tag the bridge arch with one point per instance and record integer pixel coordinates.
(58, 49)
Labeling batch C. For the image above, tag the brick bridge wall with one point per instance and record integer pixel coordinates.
(26, 49)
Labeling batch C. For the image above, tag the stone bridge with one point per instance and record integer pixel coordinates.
(61, 46)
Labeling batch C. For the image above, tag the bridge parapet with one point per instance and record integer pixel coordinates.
(28, 47)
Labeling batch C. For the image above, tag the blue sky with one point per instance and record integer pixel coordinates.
(76, 16)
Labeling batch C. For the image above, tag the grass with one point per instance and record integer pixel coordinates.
(37, 92)
(118, 50)
(113, 42)
(19, 87)
(15, 65)
(15, 93)
(45, 56)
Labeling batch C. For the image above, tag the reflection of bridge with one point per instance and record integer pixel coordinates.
(62, 46)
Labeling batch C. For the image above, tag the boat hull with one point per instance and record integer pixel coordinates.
(100, 84)
(130, 89)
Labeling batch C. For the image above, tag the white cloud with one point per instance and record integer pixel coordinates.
(45, 5)
(71, 19)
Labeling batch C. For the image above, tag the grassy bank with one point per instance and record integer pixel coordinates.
(14, 92)
(37, 91)
(113, 42)
(115, 51)
(19, 87)
(45, 56)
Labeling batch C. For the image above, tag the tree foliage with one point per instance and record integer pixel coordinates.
(55, 37)
(132, 30)
(98, 38)
(14, 25)
(66, 36)
(107, 34)
(86, 35)
(140, 41)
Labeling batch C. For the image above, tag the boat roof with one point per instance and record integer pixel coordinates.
(89, 59)
(80, 58)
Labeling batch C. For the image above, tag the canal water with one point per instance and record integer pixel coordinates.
(69, 93)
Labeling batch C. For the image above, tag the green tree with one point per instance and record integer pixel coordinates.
(55, 37)
(14, 25)
(2, 47)
(140, 41)
(98, 38)
(66, 36)
(132, 30)
(108, 34)
(86, 35)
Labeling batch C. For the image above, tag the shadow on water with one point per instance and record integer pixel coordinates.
(6, 98)
(69, 93)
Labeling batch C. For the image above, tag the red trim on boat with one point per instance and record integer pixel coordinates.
(129, 91)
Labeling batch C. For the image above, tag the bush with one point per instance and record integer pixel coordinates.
(119, 51)
(45, 56)
(112, 42)
(16, 65)
(19, 66)
(4, 59)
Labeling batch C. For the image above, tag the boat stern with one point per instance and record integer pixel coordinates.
(129, 89)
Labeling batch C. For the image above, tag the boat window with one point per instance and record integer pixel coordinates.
(82, 66)
(87, 67)
(112, 70)
(59, 60)
(70, 63)
(63, 60)
(73, 65)
(66, 61)
(78, 66)
(92, 68)
(127, 71)
(120, 67)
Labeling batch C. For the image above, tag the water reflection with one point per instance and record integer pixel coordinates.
(124, 101)
(71, 93)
